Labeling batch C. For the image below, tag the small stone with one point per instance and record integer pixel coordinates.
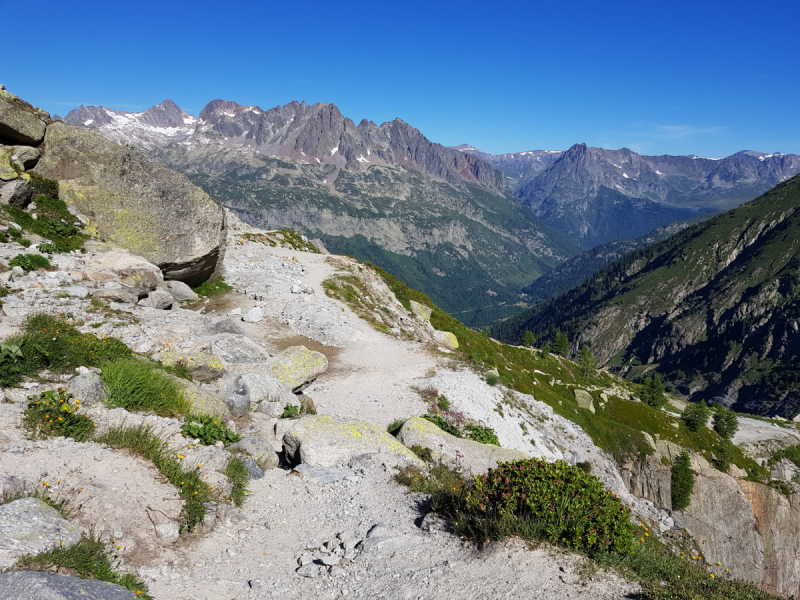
(310, 570)
(254, 315)
(337, 571)
(330, 560)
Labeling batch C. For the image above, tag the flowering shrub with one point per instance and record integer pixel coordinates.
(569, 506)
(209, 430)
(55, 413)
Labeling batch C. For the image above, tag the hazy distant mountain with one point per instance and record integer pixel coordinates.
(440, 219)
(599, 195)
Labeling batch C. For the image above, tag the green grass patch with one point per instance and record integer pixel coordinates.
(442, 424)
(481, 434)
(53, 222)
(394, 426)
(56, 413)
(140, 441)
(87, 559)
(54, 343)
(139, 385)
(212, 287)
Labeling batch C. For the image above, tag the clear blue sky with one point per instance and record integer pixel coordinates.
(660, 77)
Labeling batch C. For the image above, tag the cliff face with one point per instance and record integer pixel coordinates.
(715, 308)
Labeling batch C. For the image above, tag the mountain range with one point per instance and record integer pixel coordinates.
(441, 219)
(598, 195)
(714, 309)
(469, 228)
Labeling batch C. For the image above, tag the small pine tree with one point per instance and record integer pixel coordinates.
(695, 415)
(723, 456)
(546, 351)
(586, 363)
(653, 392)
(682, 481)
(726, 423)
(560, 344)
(528, 339)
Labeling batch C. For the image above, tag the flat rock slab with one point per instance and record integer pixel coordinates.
(237, 349)
(298, 365)
(323, 475)
(36, 585)
(29, 526)
(328, 441)
(473, 457)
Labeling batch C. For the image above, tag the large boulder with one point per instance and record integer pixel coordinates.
(136, 203)
(37, 585)
(18, 192)
(472, 457)
(25, 157)
(328, 441)
(20, 123)
(297, 365)
(29, 526)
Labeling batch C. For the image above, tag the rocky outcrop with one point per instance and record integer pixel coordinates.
(135, 203)
(473, 457)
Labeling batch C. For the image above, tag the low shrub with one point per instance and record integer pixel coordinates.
(290, 411)
(26, 243)
(484, 435)
(441, 479)
(695, 415)
(565, 504)
(443, 403)
(29, 262)
(682, 481)
(440, 422)
(87, 559)
(138, 385)
(394, 426)
(492, 379)
(209, 430)
(212, 288)
(652, 392)
(193, 490)
(55, 413)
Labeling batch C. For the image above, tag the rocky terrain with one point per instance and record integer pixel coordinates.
(310, 359)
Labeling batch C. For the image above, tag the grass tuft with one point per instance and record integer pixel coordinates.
(137, 385)
(212, 288)
(56, 413)
(86, 559)
(237, 475)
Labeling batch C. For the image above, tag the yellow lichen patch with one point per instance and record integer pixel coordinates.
(297, 364)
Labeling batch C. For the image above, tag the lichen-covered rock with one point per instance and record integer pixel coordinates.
(447, 339)
(29, 526)
(584, 399)
(136, 203)
(203, 367)
(37, 585)
(329, 441)
(297, 365)
(203, 402)
(422, 311)
(473, 457)
(7, 173)
(20, 123)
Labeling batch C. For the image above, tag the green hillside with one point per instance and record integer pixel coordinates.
(715, 309)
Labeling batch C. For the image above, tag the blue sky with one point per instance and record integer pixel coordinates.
(705, 78)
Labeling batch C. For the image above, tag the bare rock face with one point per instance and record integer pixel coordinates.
(135, 203)
(777, 519)
(651, 480)
(35, 585)
(29, 526)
